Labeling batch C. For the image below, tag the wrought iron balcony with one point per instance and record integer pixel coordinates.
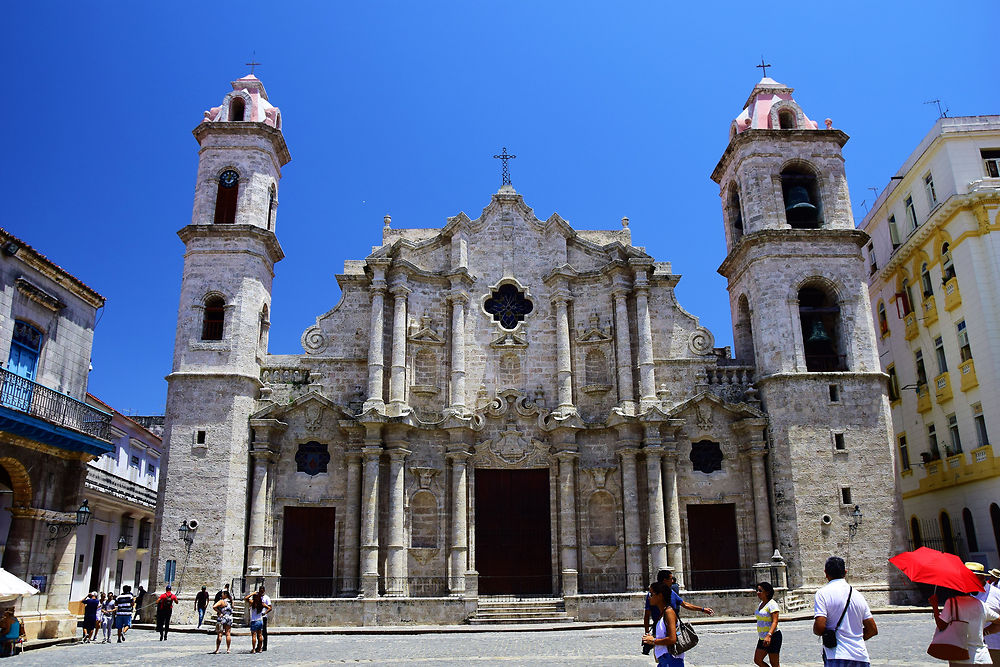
(119, 487)
(36, 400)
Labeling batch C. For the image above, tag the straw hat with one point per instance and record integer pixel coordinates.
(995, 573)
(977, 568)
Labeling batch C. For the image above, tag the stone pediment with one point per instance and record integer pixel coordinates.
(703, 406)
(509, 339)
(594, 334)
(315, 408)
(425, 334)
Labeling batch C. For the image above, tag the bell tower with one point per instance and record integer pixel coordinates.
(801, 315)
(221, 339)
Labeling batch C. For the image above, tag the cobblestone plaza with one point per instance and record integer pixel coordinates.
(902, 640)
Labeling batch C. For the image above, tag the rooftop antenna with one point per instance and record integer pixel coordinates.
(941, 114)
(865, 205)
(875, 190)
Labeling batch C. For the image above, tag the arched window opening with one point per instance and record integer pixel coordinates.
(947, 268)
(265, 323)
(602, 516)
(272, 202)
(971, 541)
(918, 540)
(215, 318)
(925, 280)
(237, 108)
(226, 196)
(596, 367)
(743, 331)
(820, 319)
(907, 297)
(423, 520)
(947, 539)
(803, 208)
(995, 520)
(786, 119)
(735, 213)
(883, 322)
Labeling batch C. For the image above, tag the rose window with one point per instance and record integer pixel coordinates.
(508, 306)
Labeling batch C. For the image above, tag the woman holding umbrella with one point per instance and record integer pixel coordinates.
(981, 620)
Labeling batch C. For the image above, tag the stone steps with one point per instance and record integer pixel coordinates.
(497, 612)
(795, 602)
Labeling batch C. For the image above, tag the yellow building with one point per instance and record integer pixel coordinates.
(934, 263)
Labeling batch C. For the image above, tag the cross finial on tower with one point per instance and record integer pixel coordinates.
(253, 62)
(506, 171)
(762, 66)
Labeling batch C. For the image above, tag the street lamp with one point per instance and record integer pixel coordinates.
(122, 543)
(184, 532)
(83, 514)
(63, 527)
(856, 518)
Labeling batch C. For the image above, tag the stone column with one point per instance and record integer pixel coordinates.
(647, 371)
(564, 368)
(352, 524)
(657, 529)
(17, 553)
(458, 555)
(567, 521)
(376, 352)
(369, 514)
(630, 510)
(396, 548)
(623, 351)
(397, 375)
(674, 543)
(458, 302)
(761, 510)
(261, 456)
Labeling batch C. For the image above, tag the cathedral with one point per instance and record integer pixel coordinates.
(508, 408)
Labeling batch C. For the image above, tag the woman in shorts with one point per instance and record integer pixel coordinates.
(768, 634)
(224, 608)
(258, 610)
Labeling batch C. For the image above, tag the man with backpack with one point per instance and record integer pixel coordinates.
(164, 610)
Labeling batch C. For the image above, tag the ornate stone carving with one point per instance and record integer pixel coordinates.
(313, 418)
(425, 476)
(511, 449)
(600, 475)
(314, 340)
(703, 416)
(701, 341)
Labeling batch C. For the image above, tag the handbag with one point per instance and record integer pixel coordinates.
(830, 636)
(687, 638)
(952, 643)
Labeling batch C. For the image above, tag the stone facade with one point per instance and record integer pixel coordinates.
(932, 266)
(503, 346)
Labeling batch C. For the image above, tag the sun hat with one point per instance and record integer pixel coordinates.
(977, 568)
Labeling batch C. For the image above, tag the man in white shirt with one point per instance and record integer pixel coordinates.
(991, 598)
(267, 601)
(857, 624)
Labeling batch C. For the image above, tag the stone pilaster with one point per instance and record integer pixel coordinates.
(262, 460)
(567, 521)
(397, 374)
(371, 453)
(623, 351)
(352, 524)
(459, 301)
(564, 369)
(647, 371)
(458, 554)
(673, 510)
(754, 448)
(630, 502)
(376, 352)
(657, 541)
(396, 548)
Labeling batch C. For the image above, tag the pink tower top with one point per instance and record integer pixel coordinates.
(247, 103)
(771, 107)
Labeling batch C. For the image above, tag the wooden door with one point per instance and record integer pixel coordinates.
(714, 546)
(513, 532)
(307, 552)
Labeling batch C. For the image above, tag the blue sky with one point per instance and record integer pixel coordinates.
(397, 107)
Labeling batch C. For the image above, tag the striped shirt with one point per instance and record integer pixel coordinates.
(125, 602)
(764, 617)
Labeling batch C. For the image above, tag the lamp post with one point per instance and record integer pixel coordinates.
(184, 532)
(62, 528)
(856, 518)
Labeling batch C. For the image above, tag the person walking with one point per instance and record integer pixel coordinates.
(125, 605)
(267, 602)
(665, 630)
(224, 608)
(90, 612)
(224, 593)
(138, 604)
(651, 615)
(980, 618)
(993, 600)
(164, 610)
(108, 616)
(201, 604)
(768, 634)
(258, 611)
(855, 624)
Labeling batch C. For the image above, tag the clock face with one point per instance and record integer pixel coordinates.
(229, 178)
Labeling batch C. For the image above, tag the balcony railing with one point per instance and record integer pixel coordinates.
(119, 487)
(23, 395)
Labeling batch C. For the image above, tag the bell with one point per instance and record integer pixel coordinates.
(798, 201)
(818, 333)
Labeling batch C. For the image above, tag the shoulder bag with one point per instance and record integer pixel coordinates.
(687, 639)
(830, 636)
(952, 643)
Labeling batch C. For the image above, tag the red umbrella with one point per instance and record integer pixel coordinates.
(928, 566)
